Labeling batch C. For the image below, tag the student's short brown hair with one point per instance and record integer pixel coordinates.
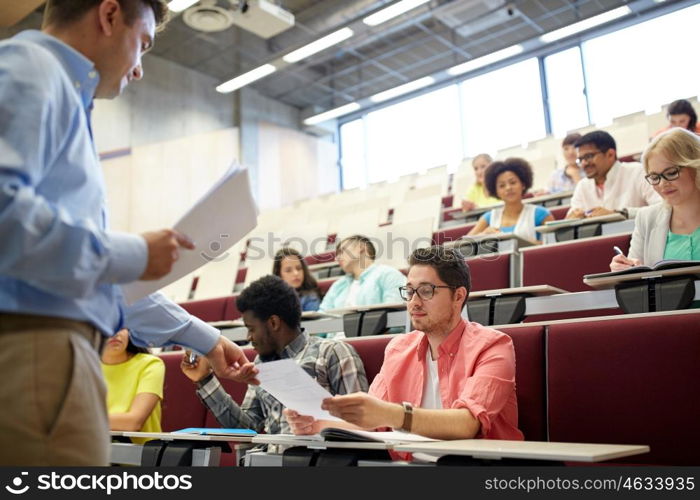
(358, 238)
(448, 263)
(65, 12)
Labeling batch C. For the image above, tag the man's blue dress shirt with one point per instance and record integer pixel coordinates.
(57, 257)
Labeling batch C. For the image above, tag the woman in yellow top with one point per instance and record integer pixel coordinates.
(477, 195)
(134, 385)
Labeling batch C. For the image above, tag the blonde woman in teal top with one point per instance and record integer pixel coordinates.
(671, 229)
(365, 282)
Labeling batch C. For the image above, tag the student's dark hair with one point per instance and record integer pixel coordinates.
(65, 12)
(448, 263)
(683, 107)
(570, 139)
(135, 349)
(518, 166)
(600, 139)
(371, 250)
(269, 296)
(309, 284)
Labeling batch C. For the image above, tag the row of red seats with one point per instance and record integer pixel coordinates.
(561, 265)
(626, 380)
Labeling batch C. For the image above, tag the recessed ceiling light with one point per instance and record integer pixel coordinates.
(333, 113)
(392, 11)
(591, 22)
(246, 78)
(318, 45)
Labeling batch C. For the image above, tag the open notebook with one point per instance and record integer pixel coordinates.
(662, 265)
(338, 434)
(212, 431)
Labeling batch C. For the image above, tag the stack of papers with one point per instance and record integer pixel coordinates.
(224, 215)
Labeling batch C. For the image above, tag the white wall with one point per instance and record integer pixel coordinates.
(171, 101)
(293, 166)
(154, 185)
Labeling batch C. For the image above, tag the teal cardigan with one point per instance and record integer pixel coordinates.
(379, 284)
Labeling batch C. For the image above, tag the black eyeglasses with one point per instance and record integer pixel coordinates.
(586, 158)
(425, 292)
(670, 174)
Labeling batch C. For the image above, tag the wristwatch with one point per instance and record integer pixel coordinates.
(624, 212)
(407, 416)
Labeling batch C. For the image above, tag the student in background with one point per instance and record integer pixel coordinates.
(448, 379)
(566, 177)
(509, 180)
(681, 114)
(134, 381)
(478, 196)
(669, 230)
(290, 266)
(365, 282)
(609, 186)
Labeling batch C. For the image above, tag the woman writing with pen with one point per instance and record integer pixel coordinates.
(668, 230)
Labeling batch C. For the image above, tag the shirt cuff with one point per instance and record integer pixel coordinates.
(198, 335)
(478, 412)
(128, 255)
(205, 380)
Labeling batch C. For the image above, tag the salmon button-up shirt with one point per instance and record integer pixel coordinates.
(476, 369)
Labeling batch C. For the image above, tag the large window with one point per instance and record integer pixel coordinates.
(413, 135)
(566, 91)
(503, 108)
(643, 66)
(638, 68)
(352, 142)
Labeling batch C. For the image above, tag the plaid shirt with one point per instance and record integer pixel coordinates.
(335, 365)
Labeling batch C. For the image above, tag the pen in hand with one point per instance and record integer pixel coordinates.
(618, 251)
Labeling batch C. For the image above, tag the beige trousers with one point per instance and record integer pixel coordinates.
(52, 395)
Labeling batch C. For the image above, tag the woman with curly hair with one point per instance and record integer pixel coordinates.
(508, 181)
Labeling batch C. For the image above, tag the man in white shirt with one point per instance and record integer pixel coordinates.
(609, 186)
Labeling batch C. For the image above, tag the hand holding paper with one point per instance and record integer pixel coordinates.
(163, 251)
(225, 214)
(294, 388)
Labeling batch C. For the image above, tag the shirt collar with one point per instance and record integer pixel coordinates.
(612, 173)
(295, 346)
(449, 346)
(367, 272)
(80, 70)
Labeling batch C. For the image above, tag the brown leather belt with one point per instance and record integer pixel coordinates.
(17, 322)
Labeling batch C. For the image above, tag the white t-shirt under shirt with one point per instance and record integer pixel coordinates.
(431, 387)
(351, 299)
(431, 398)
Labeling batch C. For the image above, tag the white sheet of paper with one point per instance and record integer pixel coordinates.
(294, 388)
(224, 215)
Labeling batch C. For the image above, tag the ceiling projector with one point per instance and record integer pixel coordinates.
(260, 17)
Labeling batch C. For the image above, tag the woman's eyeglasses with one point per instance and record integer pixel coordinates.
(670, 174)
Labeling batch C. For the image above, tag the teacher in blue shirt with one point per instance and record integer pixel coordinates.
(60, 266)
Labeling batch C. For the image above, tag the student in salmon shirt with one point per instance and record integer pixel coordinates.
(448, 379)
